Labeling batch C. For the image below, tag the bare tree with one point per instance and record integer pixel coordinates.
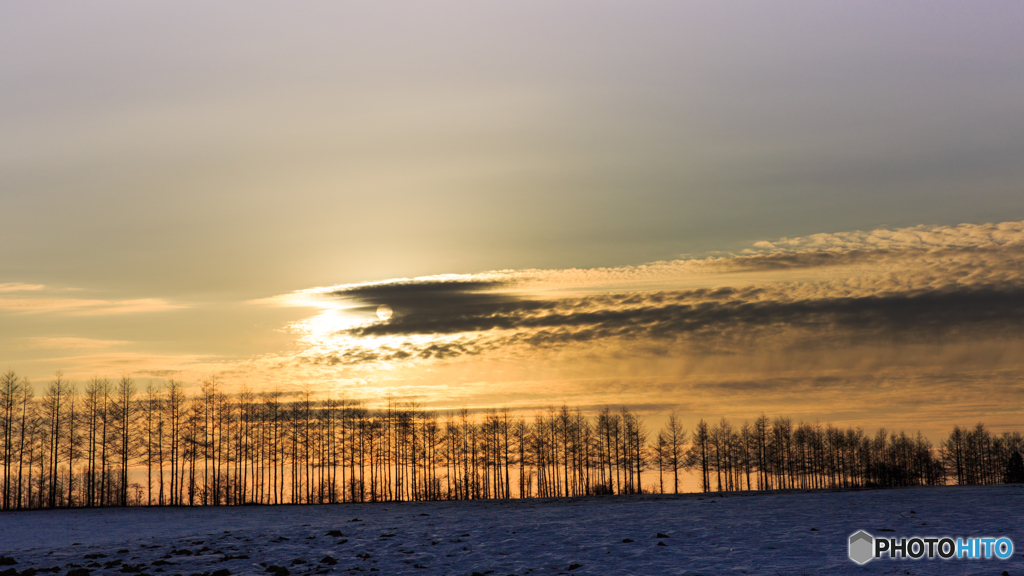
(10, 393)
(126, 411)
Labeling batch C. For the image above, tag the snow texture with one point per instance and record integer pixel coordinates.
(789, 533)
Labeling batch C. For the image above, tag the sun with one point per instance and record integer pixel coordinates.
(384, 312)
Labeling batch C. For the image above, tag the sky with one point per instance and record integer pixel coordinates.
(722, 209)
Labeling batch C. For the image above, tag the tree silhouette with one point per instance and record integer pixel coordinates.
(1014, 469)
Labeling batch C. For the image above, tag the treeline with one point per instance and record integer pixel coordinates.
(110, 444)
(776, 454)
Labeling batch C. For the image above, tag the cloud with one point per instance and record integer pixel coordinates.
(969, 253)
(396, 290)
(1003, 234)
(85, 307)
(926, 283)
(67, 342)
(20, 287)
(711, 327)
(439, 295)
(158, 373)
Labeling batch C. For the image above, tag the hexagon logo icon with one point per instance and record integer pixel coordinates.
(861, 547)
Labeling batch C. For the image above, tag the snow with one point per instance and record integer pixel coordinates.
(786, 533)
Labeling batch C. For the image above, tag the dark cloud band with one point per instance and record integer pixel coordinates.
(479, 328)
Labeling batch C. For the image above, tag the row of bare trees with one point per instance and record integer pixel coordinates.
(45, 439)
(976, 456)
(776, 454)
(111, 444)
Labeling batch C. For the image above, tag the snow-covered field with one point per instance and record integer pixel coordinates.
(777, 534)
